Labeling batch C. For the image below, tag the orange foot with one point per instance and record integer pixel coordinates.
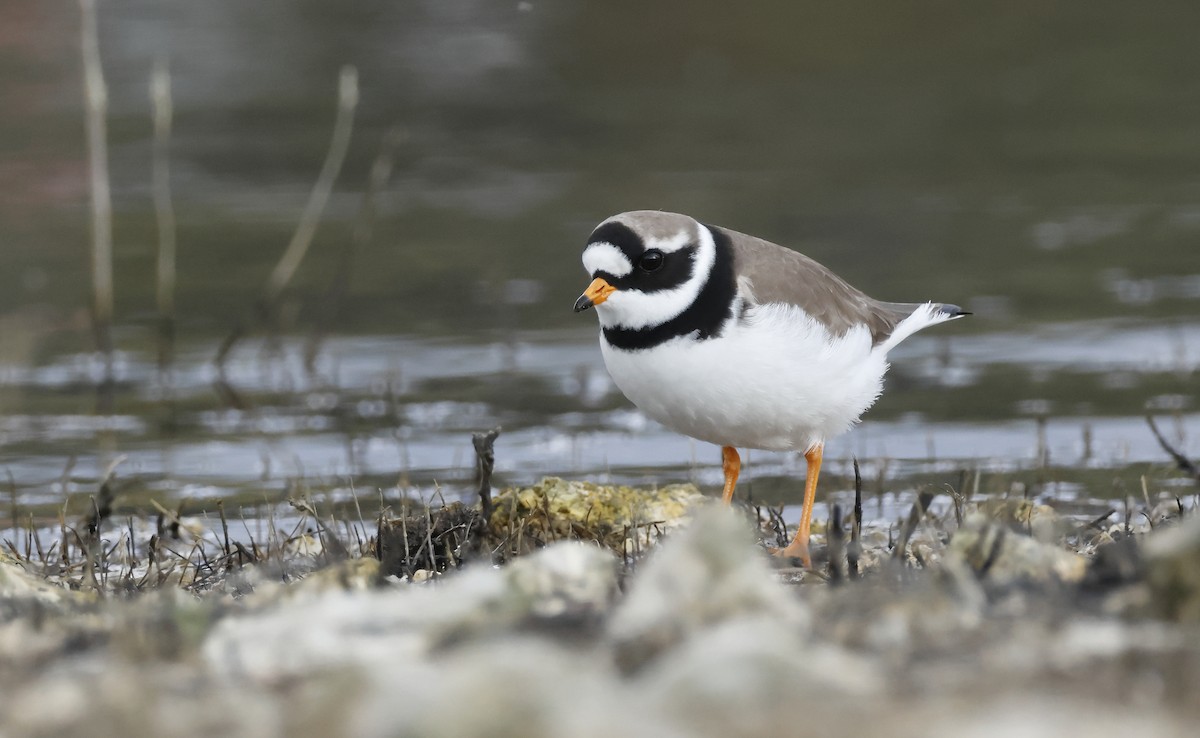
(794, 550)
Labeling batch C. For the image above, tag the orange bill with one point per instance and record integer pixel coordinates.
(596, 293)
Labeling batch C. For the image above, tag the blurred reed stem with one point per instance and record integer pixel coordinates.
(282, 275)
(164, 211)
(311, 218)
(364, 230)
(95, 98)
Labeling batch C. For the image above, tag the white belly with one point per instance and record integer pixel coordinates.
(776, 380)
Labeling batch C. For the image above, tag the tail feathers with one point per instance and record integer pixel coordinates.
(919, 317)
(954, 311)
(902, 310)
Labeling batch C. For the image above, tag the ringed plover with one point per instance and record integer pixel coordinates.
(736, 341)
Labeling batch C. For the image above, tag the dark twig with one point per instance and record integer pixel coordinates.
(225, 533)
(837, 545)
(102, 503)
(854, 550)
(774, 521)
(89, 566)
(1098, 521)
(485, 462)
(243, 553)
(12, 499)
(1184, 463)
(910, 525)
(958, 497)
(1149, 507)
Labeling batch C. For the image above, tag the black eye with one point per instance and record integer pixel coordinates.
(651, 261)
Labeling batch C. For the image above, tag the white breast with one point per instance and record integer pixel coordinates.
(774, 380)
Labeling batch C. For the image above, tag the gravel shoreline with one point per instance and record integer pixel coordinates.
(1012, 620)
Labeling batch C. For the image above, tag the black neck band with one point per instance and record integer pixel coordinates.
(704, 318)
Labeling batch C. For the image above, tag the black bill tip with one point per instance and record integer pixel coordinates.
(583, 303)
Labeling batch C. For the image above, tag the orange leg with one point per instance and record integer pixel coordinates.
(731, 464)
(798, 548)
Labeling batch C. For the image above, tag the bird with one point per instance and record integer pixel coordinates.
(740, 342)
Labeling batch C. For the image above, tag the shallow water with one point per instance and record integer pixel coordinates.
(397, 413)
(1037, 165)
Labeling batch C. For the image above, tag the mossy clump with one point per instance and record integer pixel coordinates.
(622, 519)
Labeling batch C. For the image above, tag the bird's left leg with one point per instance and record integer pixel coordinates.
(731, 464)
(798, 548)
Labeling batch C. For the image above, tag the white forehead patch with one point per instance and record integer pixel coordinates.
(602, 256)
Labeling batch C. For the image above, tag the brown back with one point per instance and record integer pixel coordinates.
(768, 273)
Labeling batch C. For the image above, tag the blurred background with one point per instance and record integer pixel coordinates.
(1036, 162)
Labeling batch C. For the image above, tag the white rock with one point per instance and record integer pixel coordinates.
(710, 573)
(336, 627)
